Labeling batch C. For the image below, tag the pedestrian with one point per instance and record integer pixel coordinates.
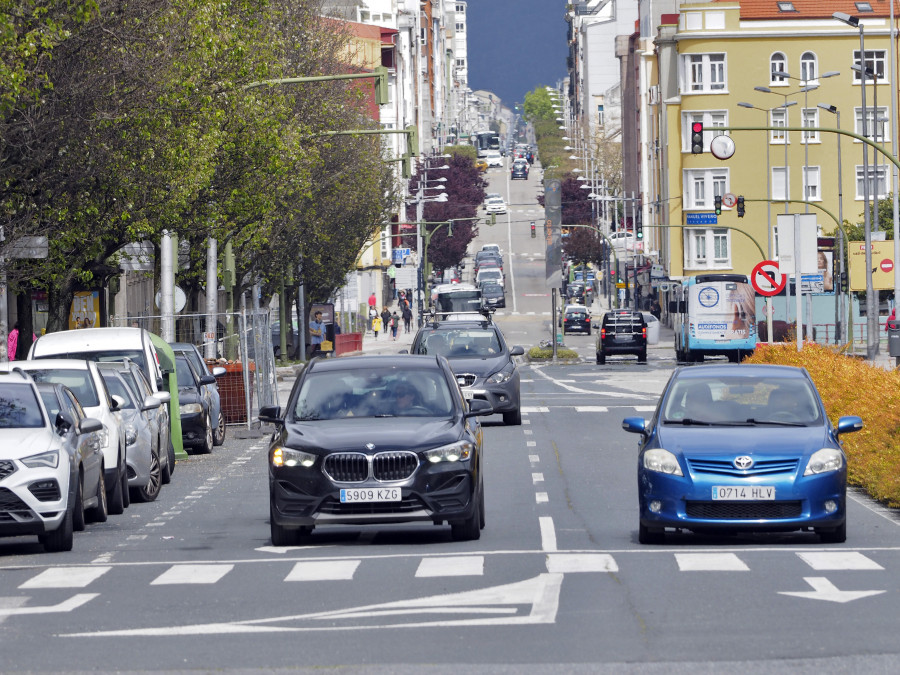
(655, 308)
(376, 325)
(395, 324)
(316, 333)
(402, 300)
(385, 318)
(887, 324)
(407, 317)
(372, 314)
(373, 301)
(12, 341)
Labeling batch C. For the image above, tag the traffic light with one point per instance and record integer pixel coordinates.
(639, 233)
(381, 85)
(843, 279)
(412, 141)
(533, 231)
(696, 138)
(718, 200)
(740, 206)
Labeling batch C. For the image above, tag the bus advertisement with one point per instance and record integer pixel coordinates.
(714, 315)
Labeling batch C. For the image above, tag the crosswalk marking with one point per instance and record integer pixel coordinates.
(452, 566)
(591, 408)
(192, 574)
(839, 560)
(562, 563)
(710, 562)
(66, 577)
(534, 409)
(324, 570)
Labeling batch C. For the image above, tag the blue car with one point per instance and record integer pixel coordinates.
(741, 448)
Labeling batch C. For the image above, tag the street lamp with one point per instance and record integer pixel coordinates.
(871, 311)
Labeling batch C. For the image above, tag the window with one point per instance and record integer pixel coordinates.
(460, 27)
(777, 63)
(875, 62)
(778, 118)
(809, 70)
(877, 182)
(460, 8)
(710, 118)
(812, 183)
(460, 63)
(702, 185)
(601, 118)
(707, 248)
(870, 122)
(781, 186)
(810, 120)
(704, 73)
(364, 15)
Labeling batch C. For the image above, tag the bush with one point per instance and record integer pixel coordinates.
(851, 386)
(541, 353)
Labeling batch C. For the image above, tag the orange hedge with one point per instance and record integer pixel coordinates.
(851, 386)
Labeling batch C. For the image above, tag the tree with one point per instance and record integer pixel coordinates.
(584, 245)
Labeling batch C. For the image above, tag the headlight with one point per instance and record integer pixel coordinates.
(823, 461)
(287, 457)
(501, 376)
(455, 452)
(130, 434)
(45, 459)
(103, 437)
(662, 461)
(190, 408)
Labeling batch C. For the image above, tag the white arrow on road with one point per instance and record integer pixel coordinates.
(74, 602)
(825, 590)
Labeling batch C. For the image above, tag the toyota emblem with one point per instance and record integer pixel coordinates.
(743, 462)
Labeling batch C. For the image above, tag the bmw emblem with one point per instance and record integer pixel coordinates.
(370, 446)
(743, 462)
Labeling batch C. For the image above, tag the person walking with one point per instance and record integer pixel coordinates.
(376, 325)
(316, 334)
(407, 317)
(372, 314)
(373, 301)
(395, 324)
(12, 341)
(385, 318)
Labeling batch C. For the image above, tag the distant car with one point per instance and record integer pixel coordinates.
(481, 165)
(491, 248)
(492, 274)
(492, 296)
(519, 170)
(194, 406)
(741, 448)
(625, 240)
(622, 331)
(493, 158)
(215, 401)
(495, 205)
(51, 467)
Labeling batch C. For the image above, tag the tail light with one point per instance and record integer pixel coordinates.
(602, 333)
(587, 320)
(644, 332)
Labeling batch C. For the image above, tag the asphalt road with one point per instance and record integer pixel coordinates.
(557, 583)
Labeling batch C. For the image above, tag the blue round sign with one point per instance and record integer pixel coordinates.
(708, 297)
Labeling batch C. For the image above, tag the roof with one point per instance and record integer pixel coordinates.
(364, 361)
(812, 9)
(748, 370)
(90, 339)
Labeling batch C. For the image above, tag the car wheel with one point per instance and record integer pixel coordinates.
(115, 500)
(98, 514)
(62, 538)
(150, 491)
(470, 528)
(166, 471)
(601, 358)
(642, 357)
(219, 436)
(513, 418)
(281, 536)
(838, 535)
(481, 519)
(171, 457)
(78, 522)
(647, 535)
(126, 493)
(206, 447)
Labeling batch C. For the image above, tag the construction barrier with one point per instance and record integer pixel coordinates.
(347, 343)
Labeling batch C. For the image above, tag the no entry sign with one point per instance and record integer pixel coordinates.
(767, 279)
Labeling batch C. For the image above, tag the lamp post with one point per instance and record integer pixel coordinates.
(871, 310)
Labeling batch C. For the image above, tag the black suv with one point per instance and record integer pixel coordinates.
(622, 331)
(480, 359)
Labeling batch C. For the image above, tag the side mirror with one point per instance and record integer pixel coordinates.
(163, 396)
(151, 403)
(478, 407)
(207, 379)
(62, 423)
(518, 350)
(849, 424)
(118, 402)
(89, 424)
(635, 425)
(271, 414)
(218, 371)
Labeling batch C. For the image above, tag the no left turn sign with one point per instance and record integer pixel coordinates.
(767, 279)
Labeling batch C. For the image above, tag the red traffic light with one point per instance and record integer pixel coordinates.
(697, 127)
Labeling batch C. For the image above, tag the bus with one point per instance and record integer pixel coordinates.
(714, 315)
(486, 140)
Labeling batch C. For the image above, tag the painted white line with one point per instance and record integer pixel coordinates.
(541, 498)
(155, 524)
(531, 444)
(537, 478)
(526, 421)
(710, 562)
(322, 570)
(66, 577)
(178, 513)
(534, 459)
(194, 496)
(563, 563)
(528, 432)
(10, 603)
(839, 560)
(102, 559)
(74, 602)
(458, 566)
(244, 458)
(591, 408)
(548, 534)
(192, 574)
(535, 409)
(645, 408)
(135, 537)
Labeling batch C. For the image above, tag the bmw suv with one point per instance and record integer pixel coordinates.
(483, 363)
(622, 331)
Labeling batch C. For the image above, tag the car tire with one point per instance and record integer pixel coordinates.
(837, 535)
(115, 500)
(513, 417)
(219, 435)
(99, 513)
(481, 516)
(470, 528)
(601, 358)
(171, 457)
(126, 493)
(642, 357)
(78, 520)
(166, 471)
(281, 536)
(647, 535)
(150, 491)
(207, 445)
(63, 537)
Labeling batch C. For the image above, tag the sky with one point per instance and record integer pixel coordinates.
(516, 45)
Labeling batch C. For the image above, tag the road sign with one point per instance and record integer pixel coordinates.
(887, 265)
(702, 219)
(729, 200)
(767, 279)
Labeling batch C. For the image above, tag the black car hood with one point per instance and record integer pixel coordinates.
(385, 433)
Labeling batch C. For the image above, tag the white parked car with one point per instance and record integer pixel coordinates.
(625, 240)
(493, 158)
(492, 274)
(495, 205)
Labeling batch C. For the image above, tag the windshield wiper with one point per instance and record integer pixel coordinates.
(776, 423)
(688, 421)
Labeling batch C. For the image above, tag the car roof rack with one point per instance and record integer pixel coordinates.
(483, 316)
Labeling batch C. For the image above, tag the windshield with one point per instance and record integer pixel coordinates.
(387, 392)
(79, 381)
(461, 343)
(19, 407)
(723, 400)
(183, 373)
(459, 301)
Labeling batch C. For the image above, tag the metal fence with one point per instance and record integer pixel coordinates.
(242, 344)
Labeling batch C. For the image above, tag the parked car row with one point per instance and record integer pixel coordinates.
(86, 431)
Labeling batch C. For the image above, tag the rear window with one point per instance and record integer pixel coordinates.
(117, 387)
(79, 381)
(114, 356)
(19, 408)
